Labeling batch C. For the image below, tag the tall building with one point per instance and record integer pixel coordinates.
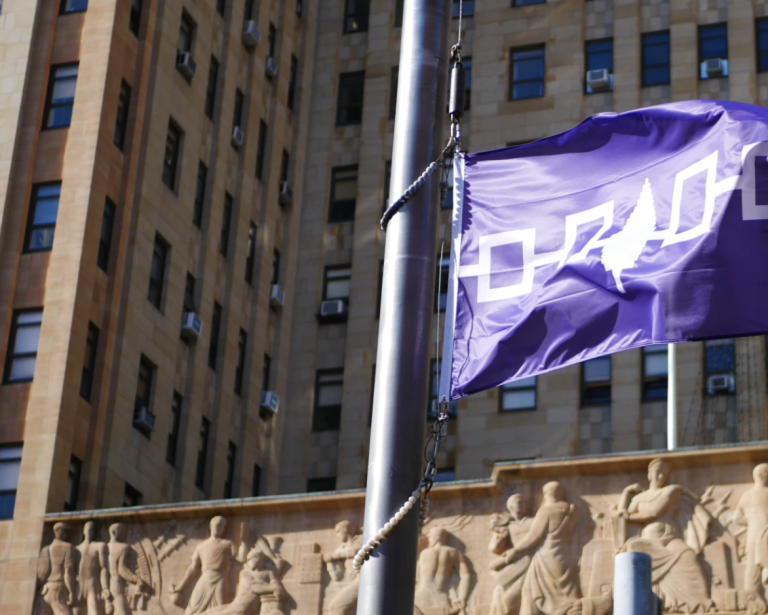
(190, 197)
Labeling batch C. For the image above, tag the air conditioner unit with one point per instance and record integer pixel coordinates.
(185, 64)
(714, 67)
(286, 194)
(270, 401)
(271, 68)
(335, 307)
(599, 80)
(251, 34)
(191, 325)
(276, 297)
(238, 136)
(143, 419)
(722, 383)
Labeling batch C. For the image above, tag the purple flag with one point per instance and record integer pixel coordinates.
(631, 229)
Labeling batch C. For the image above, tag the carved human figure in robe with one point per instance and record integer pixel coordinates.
(256, 585)
(507, 530)
(120, 575)
(436, 566)
(212, 561)
(551, 581)
(339, 565)
(752, 512)
(94, 572)
(56, 572)
(675, 529)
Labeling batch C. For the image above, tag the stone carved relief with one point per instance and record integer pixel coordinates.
(549, 553)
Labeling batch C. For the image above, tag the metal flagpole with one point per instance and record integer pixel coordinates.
(632, 582)
(671, 397)
(401, 391)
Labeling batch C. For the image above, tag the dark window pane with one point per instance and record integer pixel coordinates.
(349, 109)
(261, 149)
(393, 78)
(189, 293)
(518, 395)
(329, 386)
(73, 6)
(527, 2)
(292, 82)
(226, 221)
(22, 346)
(315, 485)
(600, 55)
(210, 91)
(343, 194)
(202, 177)
(762, 44)
(157, 272)
(336, 283)
(73, 483)
(356, 15)
(61, 96)
(134, 20)
(171, 157)
(250, 254)
(229, 482)
(43, 213)
(242, 344)
(173, 435)
(105, 239)
(202, 453)
(121, 122)
(256, 483)
(467, 8)
(213, 347)
(527, 73)
(89, 362)
(186, 33)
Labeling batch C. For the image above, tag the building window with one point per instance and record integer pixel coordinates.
(242, 343)
(465, 8)
(444, 475)
(596, 381)
(599, 54)
(292, 82)
(186, 34)
(43, 212)
(434, 391)
(256, 482)
(336, 283)
(261, 149)
(387, 182)
(210, 90)
(720, 366)
(134, 19)
(329, 387)
(250, 256)
(349, 109)
(131, 496)
(157, 272)
(171, 157)
(229, 482)
(237, 114)
(467, 63)
(213, 347)
(275, 267)
(173, 435)
(448, 200)
(526, 2)
(10, 464)
(73, 6)
(202, 453)
(441, 283)
(221, 6)
(271, 41)
(144, 383)
(527, 73)
(343, 194)
(393, 80)
(519, 395)
(105, 239)
(399, 6)
(22, 346)
(713, 44)
(265, 369)
(285, 160)
(89, 362)
(121, 122)
(655, 372)
(656, 58)
(316, 485)
(189, 293)
(61, 96)
(356, 16)
(73, 483)
(199, 206)
(226, 222)
(762, 44)
(248, 10)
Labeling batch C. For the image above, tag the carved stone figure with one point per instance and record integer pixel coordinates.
(119, 572)
(56, 572)
(752, 512)
(675, 529)
(256, 586)
(507, 530)
(551, 582)
(339, 565)
(435, 567)
(212, 560)
(94, 572)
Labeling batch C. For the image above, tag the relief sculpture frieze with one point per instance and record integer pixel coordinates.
(538, 546)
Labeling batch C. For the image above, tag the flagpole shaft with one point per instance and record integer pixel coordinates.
(387, 580)
(671, 397)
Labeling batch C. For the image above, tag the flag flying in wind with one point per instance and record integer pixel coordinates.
(631, 229)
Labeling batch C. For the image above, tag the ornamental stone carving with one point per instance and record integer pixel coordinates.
(345, 582)
(56, 568)
(443, 575)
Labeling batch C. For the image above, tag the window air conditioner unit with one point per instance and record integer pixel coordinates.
(599, 80)
(191, 326)
(714, 67)
(335, 307)
(251, 34)
(238, 136)
(286, 194)
(185, 64)
(271, 68)
(143, 419)
(270, 401)
(722, 383)
(276, 297)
